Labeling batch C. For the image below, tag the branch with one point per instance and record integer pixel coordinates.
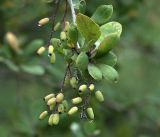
(72, 11)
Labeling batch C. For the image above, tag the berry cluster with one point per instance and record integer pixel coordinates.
(57, 105)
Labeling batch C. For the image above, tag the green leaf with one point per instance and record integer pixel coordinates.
(33, 69)
(33, 46)
(102, 14)
(82, 61)
(109, 73)
(12, 66)
(109, 59)
(95, 72)
(107, 44)
(87, 27)
(109, 28)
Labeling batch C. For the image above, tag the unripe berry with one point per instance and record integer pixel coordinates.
(90, 113)
(59, 97)
(63, 35)
(55, 119)
(77, 100)
(50, 50)
(66, 28)
(72, 110)
(50, 120)
(43, 115)
(52, 58)
(57, 26)
(73, 82)
(51, 107)
(51, 101)
(41, 50)
(99, 96)
(60, 108)
(82, 88)
(91, 87)
(65, 104)
(46, 98)
(43, 21)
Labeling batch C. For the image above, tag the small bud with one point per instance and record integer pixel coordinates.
(46, 98)
(66, 28)
(59, 97)
(63, 35)
(57, 26)
(60, 108)
(91, 87)
(50, 120)
(41, 50)
(99, 96)
(50, 50)
(51, 101)
(43, 21)
(73, 82)
(65, 104)
(72, 110)
(55, 119)
(53, 58)
(82, 88)
(90, 113)
(77, 100)
(43, 115)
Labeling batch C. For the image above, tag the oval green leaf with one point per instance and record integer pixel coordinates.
(109, 73)
(102, 14)
(95, 72)
(82, 61)
(109, 59)
(33, 69)
(107, 44)
(87, 27)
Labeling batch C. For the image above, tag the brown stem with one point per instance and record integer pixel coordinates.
(53, 19)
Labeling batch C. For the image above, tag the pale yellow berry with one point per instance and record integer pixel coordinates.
(91, 87)
(12, 41)
(99, 96)
(73, 110)
(41, 50)
(59, 97)
(43, 21)
(82, 88)
(51, 101)
(46, 98)
(55, 119)
(50, 50)
(77, 100)
(43, 115)
(90, 113)
(63, 35)
(50, 120)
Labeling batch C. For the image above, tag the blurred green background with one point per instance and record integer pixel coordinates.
(132, 106)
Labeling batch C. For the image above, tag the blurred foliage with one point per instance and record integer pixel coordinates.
(132, 106)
